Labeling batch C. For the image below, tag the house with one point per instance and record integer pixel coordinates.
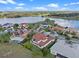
(7, 25)
(24, 25)
(19, 35)
(10, 30)
(16, 40)
(71, 30)
(53, 33)
(44, 25)
(20, 32)
(57, 28)
(42, 40)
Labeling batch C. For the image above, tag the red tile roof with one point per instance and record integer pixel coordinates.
(57, 28)
(43, 43)
(39, 36)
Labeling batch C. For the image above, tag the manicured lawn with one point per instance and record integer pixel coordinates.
(37, 52)
(14, 51)
(5, 37)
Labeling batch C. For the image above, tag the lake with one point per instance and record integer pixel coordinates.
(61, 22)
(67, 23)
(21, 20)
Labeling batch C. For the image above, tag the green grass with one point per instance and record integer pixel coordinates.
(5, 37)
(14, 51)
(37, 52)
(2, 29)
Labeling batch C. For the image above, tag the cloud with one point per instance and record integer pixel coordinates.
(31, 0)
(3, 2)
(74, 3)
(20, 8)
(21, 4)
(54, 5)
(7, 1)
(63, 9)
(40, 9)
(11, 1)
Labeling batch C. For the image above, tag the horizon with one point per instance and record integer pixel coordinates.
(39, 5)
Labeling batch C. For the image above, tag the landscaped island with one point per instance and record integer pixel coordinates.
(68, 15)
(74, 15)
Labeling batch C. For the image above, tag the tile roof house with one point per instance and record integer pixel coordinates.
(19, 35)
(24, 25)
(44, 25)
(57, 28)
(71, 30)
(16, 40)
(42, 40)
(7, 25)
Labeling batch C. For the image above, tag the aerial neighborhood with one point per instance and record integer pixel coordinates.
(42, 35)
(39, 29)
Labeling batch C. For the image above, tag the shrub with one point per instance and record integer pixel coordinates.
(28, 45)
(5, 37)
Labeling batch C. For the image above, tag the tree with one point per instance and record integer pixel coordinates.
(16, 26)
(45, 51)
(47, 20)
(28, 45)
(36, 51)
(67, 37)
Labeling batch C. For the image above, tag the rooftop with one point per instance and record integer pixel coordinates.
(39, 36)
(42, 40)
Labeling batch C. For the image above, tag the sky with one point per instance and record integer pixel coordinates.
(39, 5)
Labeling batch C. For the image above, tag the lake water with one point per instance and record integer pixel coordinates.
(21, 20)
(61, 22)
(67, 23)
